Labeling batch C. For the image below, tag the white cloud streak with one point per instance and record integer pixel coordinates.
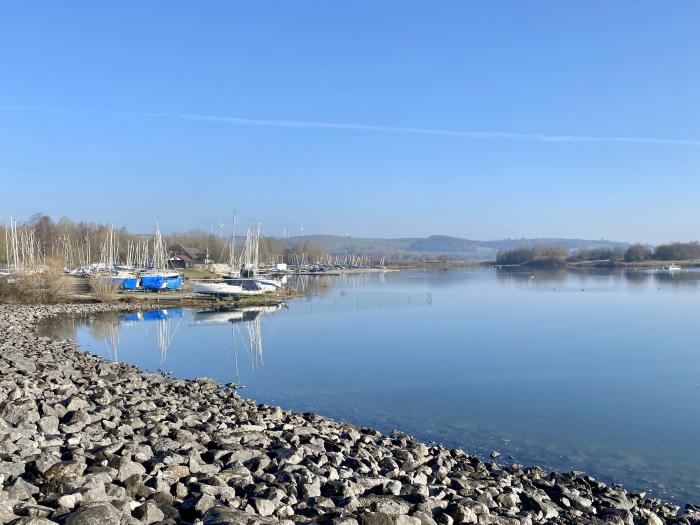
(374, 128)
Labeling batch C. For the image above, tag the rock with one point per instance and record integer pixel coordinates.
(380, 518)
(264, 507)
(21, 490)
(174, 471)
(94, 514)
(126, 468)
(48, 424)
(392, 487)
(547, 508)
(508, 500)
(19, 413)
(32, 521)
(75, 404)
(65, 470)
(226, 516)
(651, 519)
(6, 513)
(462, 514)
(148, 513)
(390, 505)
(69, 501)
(197, 506)
(424, 517)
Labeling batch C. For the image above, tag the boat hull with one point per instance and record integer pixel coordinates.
(223, 289)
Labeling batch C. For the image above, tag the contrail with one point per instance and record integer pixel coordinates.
(343, 126)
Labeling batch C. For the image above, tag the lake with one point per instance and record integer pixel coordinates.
(597, 371)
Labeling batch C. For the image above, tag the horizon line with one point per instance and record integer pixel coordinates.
(376, 128)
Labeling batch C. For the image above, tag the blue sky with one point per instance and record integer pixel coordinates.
(185, 111)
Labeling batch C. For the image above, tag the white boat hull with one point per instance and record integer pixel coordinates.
(271, 284)
(222, 288)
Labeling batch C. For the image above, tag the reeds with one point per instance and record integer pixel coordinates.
(46, 285)
(104, 289)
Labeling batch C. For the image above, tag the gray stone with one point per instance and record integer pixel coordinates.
(389, 505)
(651, 519)
(19, 413)
(6, 513)
(69, 501)
(66, 470)
(126, 468)
(463, 514)
(264, 507)
(148, 513)
(197, 506)
(227, 516)
(30, 520)
(94, 514)
(424, 517)
(508, 500)
(49, 424)
(380, 518)
(21, 490)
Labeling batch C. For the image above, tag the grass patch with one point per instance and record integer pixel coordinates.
(49, 285)
(103, 289)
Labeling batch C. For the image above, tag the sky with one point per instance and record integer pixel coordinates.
(480, 119)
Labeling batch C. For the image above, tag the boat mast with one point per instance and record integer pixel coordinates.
(232, 252)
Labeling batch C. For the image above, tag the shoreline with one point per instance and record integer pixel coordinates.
(85, 440)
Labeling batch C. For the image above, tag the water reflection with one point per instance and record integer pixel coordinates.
(638, 277)
(686, 278)
(106, 326)
(249, 318)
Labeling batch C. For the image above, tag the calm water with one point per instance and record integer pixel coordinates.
(595, 371)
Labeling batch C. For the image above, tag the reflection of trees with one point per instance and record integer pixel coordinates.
(678, 278)
(101, 325)
(521, 276)
(62, 327)
(310, 285)
(104, 325)
(637, 278)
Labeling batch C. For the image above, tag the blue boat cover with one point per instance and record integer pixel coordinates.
(174, 283)
(160, 282)
(130, 283)
(152, 282)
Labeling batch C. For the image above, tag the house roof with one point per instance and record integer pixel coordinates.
(191, 253)
(181, 257)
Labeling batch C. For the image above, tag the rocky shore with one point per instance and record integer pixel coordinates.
(84, 441)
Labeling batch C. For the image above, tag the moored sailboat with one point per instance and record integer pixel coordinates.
(159, 278)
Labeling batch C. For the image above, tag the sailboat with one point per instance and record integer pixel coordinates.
(251, 265)
(232, 285)
(159, 278)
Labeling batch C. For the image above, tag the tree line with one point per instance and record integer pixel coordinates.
(547, 255)
(80, 242)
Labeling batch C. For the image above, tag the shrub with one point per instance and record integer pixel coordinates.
(47, 285)
(103, 288)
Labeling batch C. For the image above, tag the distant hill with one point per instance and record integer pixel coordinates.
(456, 248)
